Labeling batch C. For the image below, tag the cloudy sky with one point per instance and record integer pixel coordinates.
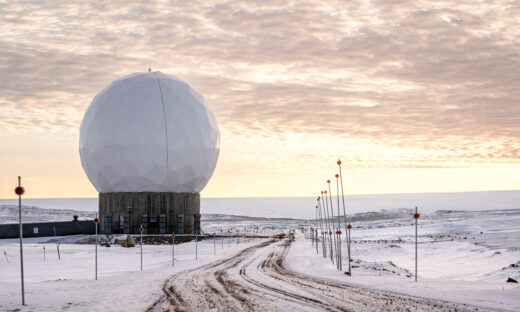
(414, 96)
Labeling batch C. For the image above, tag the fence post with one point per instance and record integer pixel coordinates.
(173, 250)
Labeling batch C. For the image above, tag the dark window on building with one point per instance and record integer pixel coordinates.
(180, 224)
(162, 224)
(108, 224)
(124, 224)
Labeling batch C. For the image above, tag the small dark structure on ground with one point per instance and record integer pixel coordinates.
(38, 229)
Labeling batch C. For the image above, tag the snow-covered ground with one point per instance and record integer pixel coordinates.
(464, 257)
(55, 284)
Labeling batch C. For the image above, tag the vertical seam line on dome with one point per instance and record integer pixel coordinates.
(165, 127)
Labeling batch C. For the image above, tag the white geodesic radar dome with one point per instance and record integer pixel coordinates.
(149, 132)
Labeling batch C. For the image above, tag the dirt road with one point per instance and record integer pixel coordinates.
(255, 280)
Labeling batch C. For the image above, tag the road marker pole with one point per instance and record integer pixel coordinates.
(316, 223)
(96, 220)
(214, 244)
(318, 226)
(321, 229)
(316, 234)
(19, 190)
(333, 223)
(327, 228)
(348, 248)
(196, 246)
(222, 239)
(416, 217)
(312, 237)
(44, 253)
(340, 264)
(343, 198)
(339, 224)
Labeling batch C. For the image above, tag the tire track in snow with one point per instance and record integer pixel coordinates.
(255, 279)
(353, 298)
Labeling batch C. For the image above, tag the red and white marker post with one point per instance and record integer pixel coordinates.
(19, 190)
(416, 217)
(141, 231)
(340, 260)
(96, 221)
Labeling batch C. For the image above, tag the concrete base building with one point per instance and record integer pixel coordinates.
(156, 212)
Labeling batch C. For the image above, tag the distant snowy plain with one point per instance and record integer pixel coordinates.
(303, 207)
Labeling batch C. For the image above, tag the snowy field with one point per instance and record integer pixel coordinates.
(55, 284)
(464, 257)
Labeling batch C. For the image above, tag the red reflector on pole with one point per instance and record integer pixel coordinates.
(96, 220)
(19, 190)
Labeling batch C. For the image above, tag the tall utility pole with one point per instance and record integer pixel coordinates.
(316, 231)
(20, 191)
(340, 264)
(315, 226)
(333, 224)
(321, 226)
(327, 227)
(344, 215)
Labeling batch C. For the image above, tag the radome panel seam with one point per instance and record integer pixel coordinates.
(165, 127)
